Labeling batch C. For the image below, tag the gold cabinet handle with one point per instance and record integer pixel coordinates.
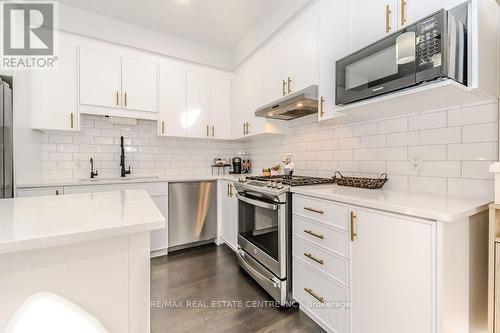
(310, 232)
(213, 130)
(289, 85)
(117, 98)
(72, 121)
(57, 192)
(244, 128)
(208, 130)
(387, 18)
(353, 226)
(163, 127)
(314, 210)
(228, 190)
(321, 103)
(125, 99)
(248, 128)
(403, 12)
(284, 87)
(313, 294)
(310, 256)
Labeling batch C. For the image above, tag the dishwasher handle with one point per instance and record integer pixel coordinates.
(257, 203)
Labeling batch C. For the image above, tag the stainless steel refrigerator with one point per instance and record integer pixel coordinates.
(6, 142)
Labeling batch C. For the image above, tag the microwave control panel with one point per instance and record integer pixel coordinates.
(429, 33)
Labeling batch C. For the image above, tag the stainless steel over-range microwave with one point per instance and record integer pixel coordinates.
(433, 48)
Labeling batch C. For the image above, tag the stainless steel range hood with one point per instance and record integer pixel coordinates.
(296, 105)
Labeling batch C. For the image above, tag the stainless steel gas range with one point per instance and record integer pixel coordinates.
(265, 230)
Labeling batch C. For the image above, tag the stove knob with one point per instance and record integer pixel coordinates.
(269, 183)
(274, 184)
(242, 180)
(279, 186)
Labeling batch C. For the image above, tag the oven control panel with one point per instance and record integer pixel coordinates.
(429, 33)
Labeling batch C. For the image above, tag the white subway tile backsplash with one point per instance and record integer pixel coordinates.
(471, 187)
(393, 154)
(480, 133)
(428, 184)
(473, 115)
(455, 146)
(393, 125)
(473, 151)
(441, 136)
(428, 120)
(403, 139)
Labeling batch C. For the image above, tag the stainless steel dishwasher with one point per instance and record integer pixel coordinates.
(192, 214)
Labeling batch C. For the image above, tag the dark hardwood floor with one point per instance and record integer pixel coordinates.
(185, 283)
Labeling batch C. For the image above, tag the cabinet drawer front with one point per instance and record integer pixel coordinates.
(328, 238)
(321, 210)
(322, 297)
(323, 261)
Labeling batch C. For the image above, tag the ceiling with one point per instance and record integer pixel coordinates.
(219, 23)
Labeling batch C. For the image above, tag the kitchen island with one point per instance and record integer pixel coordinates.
(90, 249)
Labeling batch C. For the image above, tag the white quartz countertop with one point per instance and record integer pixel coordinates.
(128, 180)
(38, 222)
(423, 205)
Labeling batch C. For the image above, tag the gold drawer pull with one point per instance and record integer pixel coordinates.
(311, 292)
(163, 127)
(117, 98)
(72, 120)
(314, 234)
(125, 99)
(283, 84)
(310, 256)
(353, 226)
(387, 18)
(314, 210)
(289, 85)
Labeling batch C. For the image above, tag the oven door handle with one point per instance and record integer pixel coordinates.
(257, 202)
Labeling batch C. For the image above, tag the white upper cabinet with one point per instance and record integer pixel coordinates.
(410, 11)
(54, 93)
(392, 274)
(172, 102)
(239, 108)
(372, 20)
(197, 117)
(303, 51)
(139, 85)
(100, 78)
(277, 70)
(334, 45)
(220, 108)
(293, 61)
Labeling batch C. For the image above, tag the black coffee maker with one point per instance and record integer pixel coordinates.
(237, 165)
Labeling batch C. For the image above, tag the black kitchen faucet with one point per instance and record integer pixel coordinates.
(124, 172)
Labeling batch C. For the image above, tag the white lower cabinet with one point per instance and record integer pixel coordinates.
(228, 214)
(392, 274)
(378, 275)
(39, 191)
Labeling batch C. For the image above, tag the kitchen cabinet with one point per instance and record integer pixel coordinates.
(249, 92)
(139, 85)
(371, 20)
(197, 117)
(392, 273)
(172, 102)
(410, 11)
(51, 109)
(334, 45)
(100, 78)
(277, 69)
(229, 214)
(220, 108)
(112, 81)
(293, 61)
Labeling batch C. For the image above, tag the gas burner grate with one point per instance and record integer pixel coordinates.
(295, 180)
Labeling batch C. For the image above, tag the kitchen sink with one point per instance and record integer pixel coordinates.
(124, 179)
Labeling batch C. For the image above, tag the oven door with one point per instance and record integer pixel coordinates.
(262, 231)
(382, 67)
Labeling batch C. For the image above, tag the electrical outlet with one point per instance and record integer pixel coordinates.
(416, 162)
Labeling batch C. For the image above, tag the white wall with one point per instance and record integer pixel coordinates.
(89, 24)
